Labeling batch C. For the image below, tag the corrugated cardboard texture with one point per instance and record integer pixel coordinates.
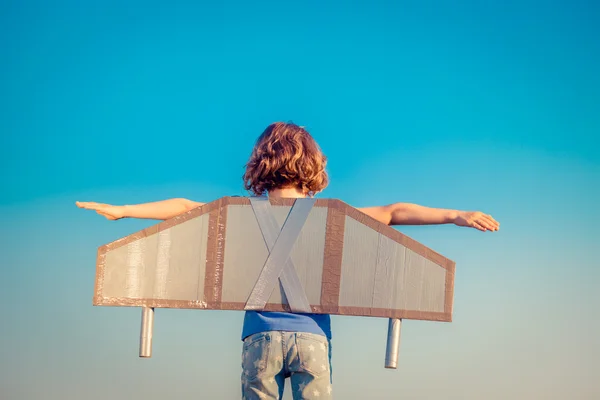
(211, 257)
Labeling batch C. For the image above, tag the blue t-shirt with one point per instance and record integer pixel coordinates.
(262, 321)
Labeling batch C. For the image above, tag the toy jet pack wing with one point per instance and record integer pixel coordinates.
(289, 255)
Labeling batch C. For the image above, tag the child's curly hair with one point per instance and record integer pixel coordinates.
(286, 156)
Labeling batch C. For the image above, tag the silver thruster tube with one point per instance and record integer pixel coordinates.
(146, 332)
(393, 343)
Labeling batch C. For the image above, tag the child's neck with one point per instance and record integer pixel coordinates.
(286, 192)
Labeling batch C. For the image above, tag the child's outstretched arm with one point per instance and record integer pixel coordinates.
(156, 210)
(413, 214)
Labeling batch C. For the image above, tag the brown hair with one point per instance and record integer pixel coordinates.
(286, 156)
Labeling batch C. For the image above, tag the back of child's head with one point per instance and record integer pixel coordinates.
(286, 156)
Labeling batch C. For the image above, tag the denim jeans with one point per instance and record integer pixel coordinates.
(268, 358)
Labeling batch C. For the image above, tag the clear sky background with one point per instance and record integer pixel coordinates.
(491, 106)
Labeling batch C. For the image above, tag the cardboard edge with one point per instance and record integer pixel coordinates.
(153, 303)
(449, 300)
(99, 279)
(286, 202)
(239, 306)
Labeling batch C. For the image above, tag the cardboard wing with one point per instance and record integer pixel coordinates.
(291, 255)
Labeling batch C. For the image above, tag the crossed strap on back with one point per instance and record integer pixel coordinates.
(279, 266)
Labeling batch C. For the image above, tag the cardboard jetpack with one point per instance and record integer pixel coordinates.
(288, 255)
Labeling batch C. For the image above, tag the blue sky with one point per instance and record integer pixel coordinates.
(490, 106)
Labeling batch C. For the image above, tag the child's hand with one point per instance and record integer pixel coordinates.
(477, 220)
(110, 212)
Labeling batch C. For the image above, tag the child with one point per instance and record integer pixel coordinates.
(287, 162)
